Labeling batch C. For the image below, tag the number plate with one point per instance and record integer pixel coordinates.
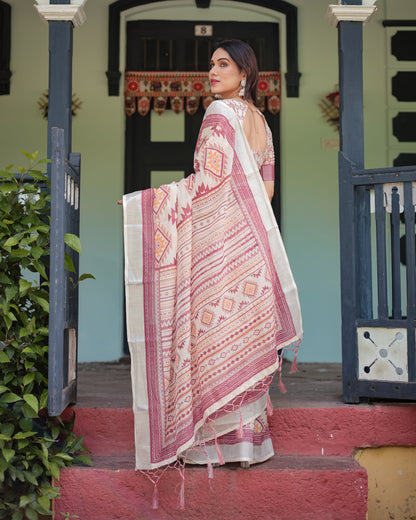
(203, 30)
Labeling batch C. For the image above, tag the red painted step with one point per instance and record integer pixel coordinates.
(312, 476)
(304, 431)
(284, 488)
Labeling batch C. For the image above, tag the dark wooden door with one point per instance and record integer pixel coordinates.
(172, 46)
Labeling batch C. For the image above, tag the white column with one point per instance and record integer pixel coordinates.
(351, 13)
(73, 12)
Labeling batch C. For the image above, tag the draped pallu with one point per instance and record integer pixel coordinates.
(210, 297)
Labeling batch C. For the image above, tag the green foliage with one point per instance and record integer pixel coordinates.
(33, 446)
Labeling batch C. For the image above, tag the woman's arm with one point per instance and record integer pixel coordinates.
(269, 188)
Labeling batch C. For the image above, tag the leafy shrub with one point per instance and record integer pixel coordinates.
(33, 446)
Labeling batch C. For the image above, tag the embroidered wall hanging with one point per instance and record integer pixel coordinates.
(185, 90)
(329, 106)
(43, 104)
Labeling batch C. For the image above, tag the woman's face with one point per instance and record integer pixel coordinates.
(224, 74)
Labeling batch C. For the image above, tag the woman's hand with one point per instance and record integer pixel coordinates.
(120, 202)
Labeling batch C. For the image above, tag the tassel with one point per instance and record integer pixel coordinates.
(181, 501)
(240, 428)
(155, 501)
(294, 367)
(269, 406)
(281, 385)
(220, 457)
(182, 497)
(210, 470)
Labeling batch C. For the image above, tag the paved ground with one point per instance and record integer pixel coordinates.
(108, 385)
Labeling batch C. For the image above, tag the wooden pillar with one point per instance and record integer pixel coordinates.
(62, 17)
(355, 250)
(60, 80)
(63, 304)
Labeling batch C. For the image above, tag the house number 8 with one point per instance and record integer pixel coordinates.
(203, 30)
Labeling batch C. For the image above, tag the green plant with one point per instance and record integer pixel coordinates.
(33, 446)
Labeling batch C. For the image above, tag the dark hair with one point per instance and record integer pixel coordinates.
(244, 57)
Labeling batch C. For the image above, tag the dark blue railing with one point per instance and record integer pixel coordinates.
(378, 279)
(63, 302)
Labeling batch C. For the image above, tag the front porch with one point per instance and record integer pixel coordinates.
(108, 385)
(313, 475)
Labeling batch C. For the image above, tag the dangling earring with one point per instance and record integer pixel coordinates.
(242, 91)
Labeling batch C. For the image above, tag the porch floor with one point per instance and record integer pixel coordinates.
(108, 385)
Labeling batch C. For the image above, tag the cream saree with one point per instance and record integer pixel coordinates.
(210, 298)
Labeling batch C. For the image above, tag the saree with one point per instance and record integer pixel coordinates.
(210, 298)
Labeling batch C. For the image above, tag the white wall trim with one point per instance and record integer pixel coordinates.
(349, 13)
(62, 13)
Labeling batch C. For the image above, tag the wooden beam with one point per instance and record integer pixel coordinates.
(5, 48)
(202, 4)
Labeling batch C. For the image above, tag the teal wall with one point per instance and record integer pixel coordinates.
(309, 173)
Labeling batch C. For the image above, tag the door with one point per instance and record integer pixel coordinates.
(154, 45)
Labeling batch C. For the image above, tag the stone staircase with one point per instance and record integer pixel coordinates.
(312, 476)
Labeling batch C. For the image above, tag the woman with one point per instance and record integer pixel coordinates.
(211, 301)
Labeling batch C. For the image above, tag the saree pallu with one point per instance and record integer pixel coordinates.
(210, 298)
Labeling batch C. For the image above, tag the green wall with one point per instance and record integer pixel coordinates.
(309, 173)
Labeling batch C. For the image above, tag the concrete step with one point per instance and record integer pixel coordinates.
(310, 431)
(285, 488)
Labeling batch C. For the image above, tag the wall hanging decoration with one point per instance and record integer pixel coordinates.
(329, 105)
(43, 104)
(184, 90)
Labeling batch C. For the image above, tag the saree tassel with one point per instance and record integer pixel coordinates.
(269, 406)
(155, 501)
(210, 470)
(220, 457)
(182, 495)
(294, 364)
(240, 428)
(217, 447)
(281, 385)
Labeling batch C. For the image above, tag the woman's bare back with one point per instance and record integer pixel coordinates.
(255, 129)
